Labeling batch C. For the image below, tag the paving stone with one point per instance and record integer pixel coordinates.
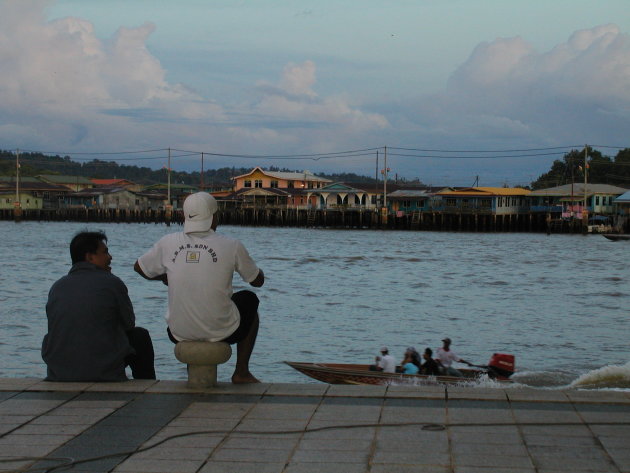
(339, 430)
(574, 465)
(251, 454)
(417, 457)
(512, 449)
(335, 444)
(492, 461)
(334, 456)
(552, 440)
(503, 469)
(378, 468)
(333, 467)
(158, 466)
(243, 467)
(272, 426)
(297, 389)
(261, 442)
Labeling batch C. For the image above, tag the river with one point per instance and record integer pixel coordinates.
(559, 303)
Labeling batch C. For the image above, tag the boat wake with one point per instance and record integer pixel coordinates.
(611, 377)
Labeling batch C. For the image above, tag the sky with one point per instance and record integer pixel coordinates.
(459, 91)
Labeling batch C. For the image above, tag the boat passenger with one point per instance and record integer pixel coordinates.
(385, 363)
(445, 358)
(411, 362)
(429, 367)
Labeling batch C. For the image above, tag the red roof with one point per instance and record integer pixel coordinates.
(110, 182)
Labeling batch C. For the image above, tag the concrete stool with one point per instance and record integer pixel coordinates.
(202, 359)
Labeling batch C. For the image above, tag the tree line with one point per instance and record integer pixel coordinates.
(600, 169)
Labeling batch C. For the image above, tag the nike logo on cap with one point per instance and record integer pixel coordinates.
(192, 216)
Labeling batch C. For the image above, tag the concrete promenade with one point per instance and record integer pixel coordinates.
(163, 427)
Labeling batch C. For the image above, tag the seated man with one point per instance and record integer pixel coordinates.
(198, 265)
(385, 363)
(91, 324)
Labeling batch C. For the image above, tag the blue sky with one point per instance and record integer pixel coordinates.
(296, 77)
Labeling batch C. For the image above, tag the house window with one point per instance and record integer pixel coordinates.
(8, 201)
(274, 184)
(247, 183)
(406, 203)
(485, 203)
(46, 195)
(290, 185)
(258, 183)
(373, 199)
(310, 185)
(596, 200)
(35, 194)
(451, 202)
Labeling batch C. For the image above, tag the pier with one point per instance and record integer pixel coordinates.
(315, 218)
(162, 426)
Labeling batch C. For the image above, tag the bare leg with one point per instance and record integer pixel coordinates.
(244, 350)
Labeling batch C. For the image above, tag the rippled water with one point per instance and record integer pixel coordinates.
(559, 303)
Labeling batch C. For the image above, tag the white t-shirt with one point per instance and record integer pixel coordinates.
(446, 357)
(200, 267)
(388, 363)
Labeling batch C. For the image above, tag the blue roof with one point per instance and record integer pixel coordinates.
(623, 198)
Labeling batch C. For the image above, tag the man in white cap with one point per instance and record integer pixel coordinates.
(198, 265)
(445, 357)
(385, 363)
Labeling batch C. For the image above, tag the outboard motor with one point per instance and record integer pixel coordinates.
(501, 366)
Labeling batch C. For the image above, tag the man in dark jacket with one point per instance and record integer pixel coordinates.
(91, 324)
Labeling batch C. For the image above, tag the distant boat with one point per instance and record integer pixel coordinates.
(617, 236)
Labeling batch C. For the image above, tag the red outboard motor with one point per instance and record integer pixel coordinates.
(501, 366)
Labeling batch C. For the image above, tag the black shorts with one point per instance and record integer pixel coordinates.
(247, 303)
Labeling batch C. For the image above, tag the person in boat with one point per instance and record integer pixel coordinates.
(385, 362)
(445, 358)
(429, 367)
(91, 323)
(411, 362)
(197, 265)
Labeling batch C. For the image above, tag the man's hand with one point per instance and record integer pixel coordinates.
(260, 279)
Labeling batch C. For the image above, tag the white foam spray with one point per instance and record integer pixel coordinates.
(611, 376)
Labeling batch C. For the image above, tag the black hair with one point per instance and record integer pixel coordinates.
(85, 242)
(428, 351)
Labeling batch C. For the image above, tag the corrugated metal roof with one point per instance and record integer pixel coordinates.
(288, 176)
(578, 188)
(488, 191)
(57, 179)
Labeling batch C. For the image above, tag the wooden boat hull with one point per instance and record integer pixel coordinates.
(337, 373)
(617, 236)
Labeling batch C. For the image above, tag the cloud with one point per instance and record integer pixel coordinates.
(577, 92)
(63, 87)
(294, 99)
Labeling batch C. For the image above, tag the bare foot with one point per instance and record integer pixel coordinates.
(244, 379)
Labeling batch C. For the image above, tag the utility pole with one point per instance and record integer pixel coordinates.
(168, 179)
(17, 178)
(202, 170)
(385, 171)
(585, 176)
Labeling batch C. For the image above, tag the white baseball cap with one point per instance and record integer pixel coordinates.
(198, 211)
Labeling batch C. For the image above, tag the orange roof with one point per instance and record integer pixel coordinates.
(487, 191)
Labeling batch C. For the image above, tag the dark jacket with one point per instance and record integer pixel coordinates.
(88, 312)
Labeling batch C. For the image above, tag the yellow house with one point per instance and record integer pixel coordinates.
(491, 200)
(258, 178)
